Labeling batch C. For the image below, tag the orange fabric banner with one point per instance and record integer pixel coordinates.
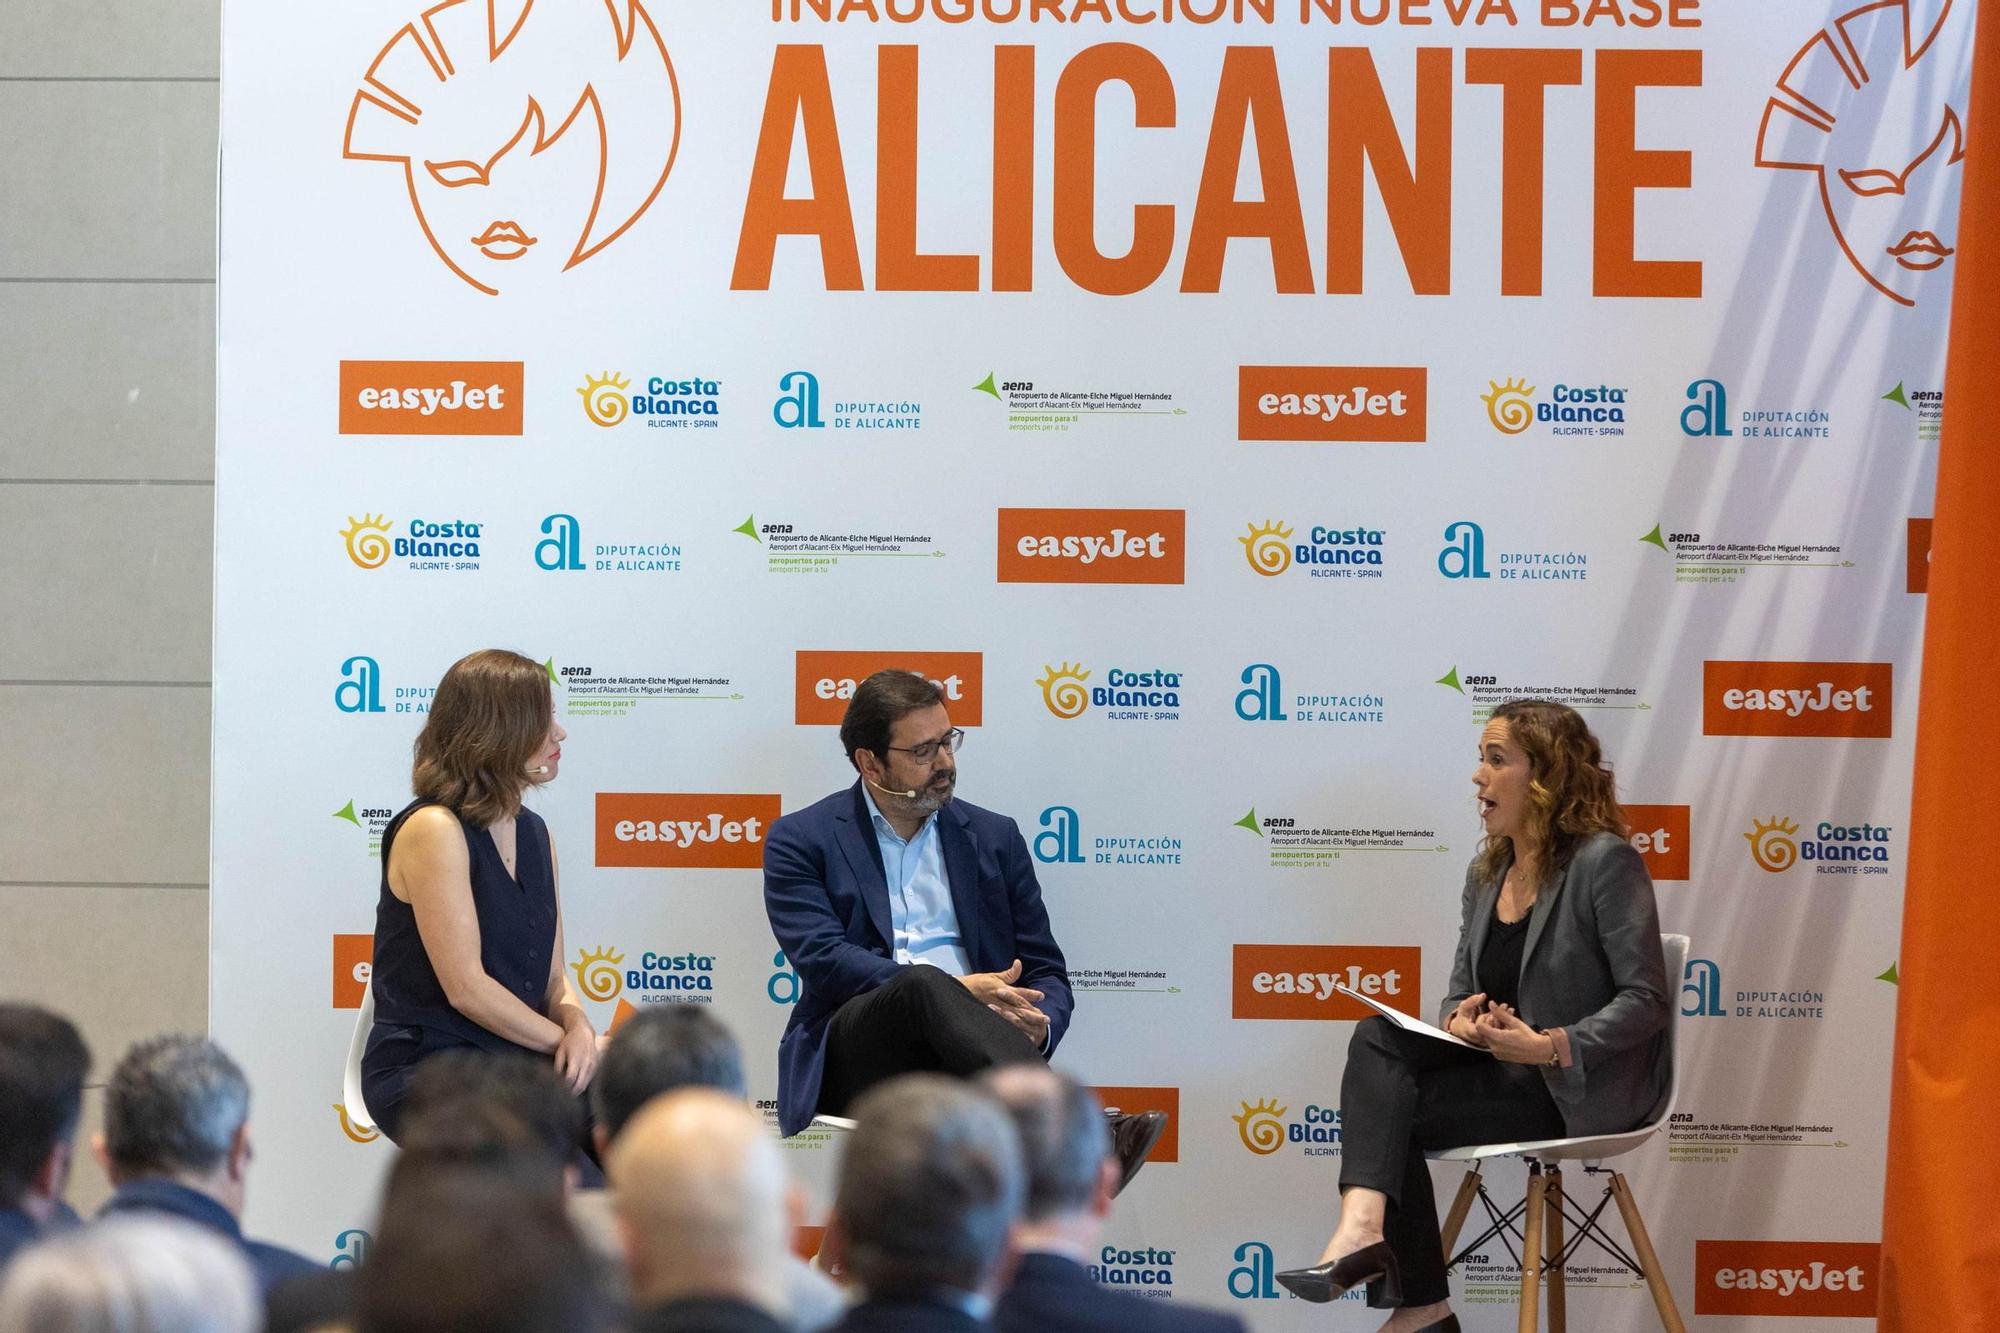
(1940, 1250)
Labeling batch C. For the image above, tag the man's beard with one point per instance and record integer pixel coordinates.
(931, 797)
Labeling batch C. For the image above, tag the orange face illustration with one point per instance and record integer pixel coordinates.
(531, 133)
(1873, 105)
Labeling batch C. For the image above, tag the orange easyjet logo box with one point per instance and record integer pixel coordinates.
(353, 956)
(1796, 698)
(1134, 1100)
(1333, 403)
(1917, 566)
(826, 681)
(1093, 546)
(684, 830)
(1297, 980)
(1786, 1277)
(1660, 833)
(807, 1240)
(430, 398)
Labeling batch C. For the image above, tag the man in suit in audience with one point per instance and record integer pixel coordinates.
(915, 923)
(1071, 1177)
(929, 1185)
(704, 1213)
(176, 1140)
(42, 1064)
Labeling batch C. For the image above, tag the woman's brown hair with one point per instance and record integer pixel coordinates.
(1571, 793)
(490, 716)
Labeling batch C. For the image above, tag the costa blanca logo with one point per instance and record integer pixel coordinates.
(597, 974)
(354, 1132)
(1836, 849)
(562, 550)
(1264, 1129)
(1328, 552)
(659, 977)
(1061, 842)
(1569, 409)
(1659, 833)
(531, 135)
(683, 830)
(353, 964)
(824, 682)
(1280, 981)
(1332, 403)
(1261, 1127)
(1148, 1267)
(1125, 694)
(1812, 1279)
(1797, 698)
(430, 397)
(1871, 107)
(1092, 545)
(427, 544)
(1510, 406)
(682, 403)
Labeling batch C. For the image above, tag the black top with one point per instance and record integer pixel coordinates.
(272, 1264)
(1500, 960)
(517, 931)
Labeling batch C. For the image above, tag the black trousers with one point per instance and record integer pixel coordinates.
(922, 1019)
(1404, 1093)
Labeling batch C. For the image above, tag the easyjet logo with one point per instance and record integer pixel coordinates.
(1299, 980)
(353, 959)
(683, 830)
(1917, 561)
(1660, 836)
(1333, 403)
(1786, 1277)
(825, 681)
(1134, 1101)
(1093, 546)
(1796, 698)
(430, 398)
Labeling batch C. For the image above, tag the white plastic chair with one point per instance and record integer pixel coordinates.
(350, 1084)
(1544, 1206)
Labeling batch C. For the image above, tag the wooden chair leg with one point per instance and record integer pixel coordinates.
(1553, 1225)
(1649, 1262)
(1454, 1221)
(1531, 1251)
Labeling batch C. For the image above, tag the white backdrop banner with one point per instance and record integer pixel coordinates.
(1232, 401)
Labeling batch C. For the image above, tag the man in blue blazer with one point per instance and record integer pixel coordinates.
(914, 921)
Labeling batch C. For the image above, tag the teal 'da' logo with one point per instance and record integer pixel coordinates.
(1262, 699)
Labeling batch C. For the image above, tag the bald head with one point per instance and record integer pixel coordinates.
(700, 1193)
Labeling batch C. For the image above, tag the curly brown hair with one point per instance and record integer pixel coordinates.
(490, 716)
(1571, 793)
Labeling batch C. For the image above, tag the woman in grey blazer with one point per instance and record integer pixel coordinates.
(1558, 981)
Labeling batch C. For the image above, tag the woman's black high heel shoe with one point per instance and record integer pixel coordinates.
(1448, 1324)
(1374, 1264)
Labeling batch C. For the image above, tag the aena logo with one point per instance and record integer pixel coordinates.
(1463, 555)
(1262, 697)
(1701, 989)
(1797, 698)
(1092, 546)
(1823, 1278)
(531, 135)
(562, 549)
(430, 398)
(714, 830)
(1062, 843)
(797, 405)
(824, 682)
(1284, 981)
(1707, 412)
(360, 689)
(1332, 403)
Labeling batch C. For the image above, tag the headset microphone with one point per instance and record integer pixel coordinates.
(538, 770)
(906, 795)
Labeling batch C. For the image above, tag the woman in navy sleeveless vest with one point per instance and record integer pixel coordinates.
(468, 925)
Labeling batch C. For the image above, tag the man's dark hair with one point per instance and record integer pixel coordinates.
(460, 1101)
(1064, 1138)
(661, 1048)
(929, 1185)
(42, 1065)
(174, 1103)
(879, 702)
(477, 1137)
(466, 1251)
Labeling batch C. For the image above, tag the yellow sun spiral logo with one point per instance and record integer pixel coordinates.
(1262, 1127)
(353, 1131)
(1772, 844)
(604, 400)
(1268, 548)
(1509, 406)
(367, 544)
(597, 974)
(1063, 689)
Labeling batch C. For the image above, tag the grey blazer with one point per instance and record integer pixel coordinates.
(1592, 966)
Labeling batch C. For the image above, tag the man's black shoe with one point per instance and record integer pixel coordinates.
(1132, 1137)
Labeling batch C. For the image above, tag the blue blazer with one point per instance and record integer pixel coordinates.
(828, 900)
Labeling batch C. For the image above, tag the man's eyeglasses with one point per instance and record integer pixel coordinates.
(950, 743)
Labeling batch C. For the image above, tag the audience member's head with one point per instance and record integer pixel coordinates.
(659, 1049)
(1065, 1146)
(929, 1186)
(702, 1202)
(42, 1065)
(465, 1250)
(131, 1274)
(179, 1107)
(506, 1113)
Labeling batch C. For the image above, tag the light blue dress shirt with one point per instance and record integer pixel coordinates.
(920, 907)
